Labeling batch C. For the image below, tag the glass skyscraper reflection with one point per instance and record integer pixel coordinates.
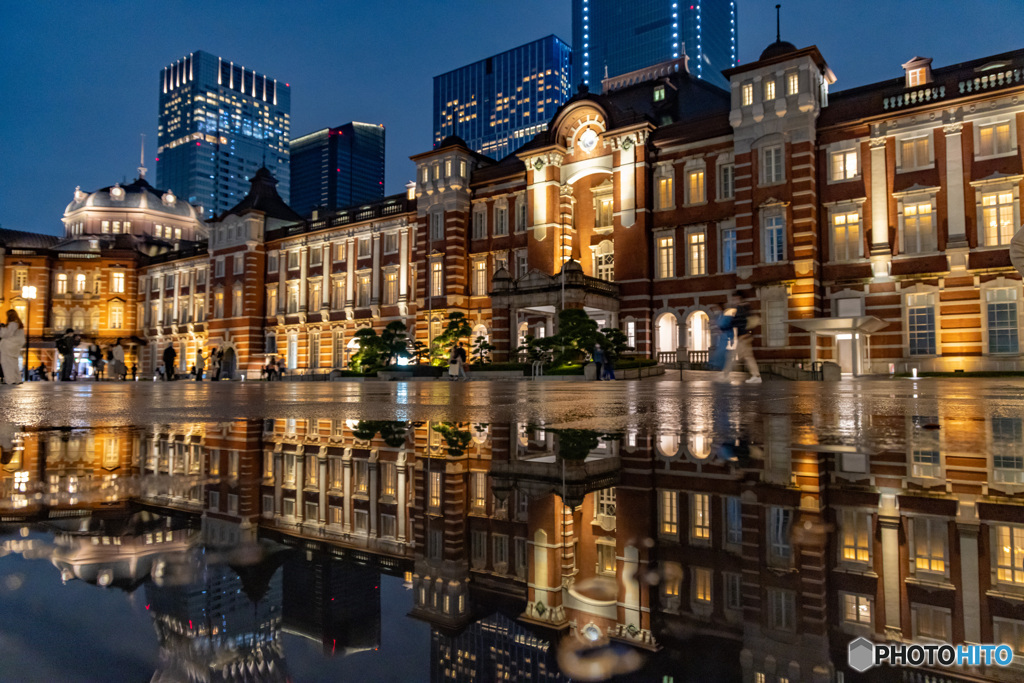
(498, 103)
(219, 122)
(337, 167)
(611, 37)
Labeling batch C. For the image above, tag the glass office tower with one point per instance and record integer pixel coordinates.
(499, 103)
(337, 167)
(219, 122)
(613, 37)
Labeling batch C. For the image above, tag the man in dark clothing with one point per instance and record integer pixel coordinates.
(66, 344)
(169, 355)
(734, 323)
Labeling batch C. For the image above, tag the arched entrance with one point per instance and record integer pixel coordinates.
(666, 333)
(229, 364)
(698, 327)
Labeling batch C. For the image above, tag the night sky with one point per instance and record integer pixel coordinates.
(80, 79)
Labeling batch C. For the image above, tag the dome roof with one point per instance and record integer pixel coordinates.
(777, 49)
(138, 195)
(452, 141)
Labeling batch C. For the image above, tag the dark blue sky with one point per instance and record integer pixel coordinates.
(80, 79)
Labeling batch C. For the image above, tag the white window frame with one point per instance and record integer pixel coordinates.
(991, 122)
(986, 188)
(917, 199)
(665, 271)
(238, 261)
(933, 534)
(931, 613)
(665, 173)
(521, 212)
(219, 266)
(436, 226)
(690, 169)
(436, 278)
(792, 83)
(772, 219)
(1007, 568)
(902, 165)
(746, 94)
(772, 164)
(696, 253)
(501, 219)
(842, 152)
(117, 282)
(700, 518)
(846, 209)
(854, 528)
(479, 222)
(668, 513)
(921, 298)
(999, 292)
(863, 619)
(479, 277)
(726, 166)
(723, 229)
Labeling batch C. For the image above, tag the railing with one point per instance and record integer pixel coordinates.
(915, 97)
(538, 369)
(996, 80)
(698, 357)
(667, 357)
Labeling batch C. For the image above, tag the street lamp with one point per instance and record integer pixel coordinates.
(28, 292)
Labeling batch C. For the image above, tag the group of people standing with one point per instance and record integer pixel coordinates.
(273, 370)
(165, 370)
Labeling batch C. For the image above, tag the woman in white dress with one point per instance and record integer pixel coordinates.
(12, 342)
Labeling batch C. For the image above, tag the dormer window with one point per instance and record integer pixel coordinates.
(659, 93)
(748, 94)
(918, 71)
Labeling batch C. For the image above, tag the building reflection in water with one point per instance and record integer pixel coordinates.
(699, 550)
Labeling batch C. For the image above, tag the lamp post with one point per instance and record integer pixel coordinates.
(28, 292)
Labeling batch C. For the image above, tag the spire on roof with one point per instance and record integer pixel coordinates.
(778, 33)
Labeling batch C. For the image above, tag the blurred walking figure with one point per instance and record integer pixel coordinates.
(599, 361)
(736, 323)
(169, 355)
(66, 344)
(12, 341)
(117, 366)
(200, 365)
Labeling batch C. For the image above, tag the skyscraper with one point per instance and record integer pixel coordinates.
(337, 167)
(623, 37)
(219, 122)
(500, 102)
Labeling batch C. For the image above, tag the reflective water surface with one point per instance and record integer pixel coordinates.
(719, 547)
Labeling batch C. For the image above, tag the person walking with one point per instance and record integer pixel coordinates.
(95, 355)
(66, 344)
(599, 361)
(169, 355)
(12, 341)
(735, 322)
(117, 367)
(135, 372)
(200, 365)
(281, 369)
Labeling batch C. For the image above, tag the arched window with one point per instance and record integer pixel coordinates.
(666, 333)
(698, 327)
(667, 444)
(604, 261)
(78, 320)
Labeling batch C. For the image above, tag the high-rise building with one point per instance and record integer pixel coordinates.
(500, 102)
(337, 167)
(612, 37)
(219, 123)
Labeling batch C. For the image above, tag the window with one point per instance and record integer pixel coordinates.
(733, 521)
(604, 501)
(604, 262)
(700, 517)
(631, 334)
(424, 174)
(391, 243)
(339, 349)
(22, 275)
(435, 544)
(997, 217)
(363, 291)
(436, 279)
(747, 94)
(666, 197)
(774, 239)
(437, 226)
(856, 536)
(659, 93)
(695, 245)
(316, 256)
(521, 558)
(314, 295)
(781, 609)
(338, 293)
(994, 139)
(219, 272)
(771, 165)
(928, 552)
(62, 283)
(218, 307)
(480, 277)
(293, 298)
(462, 169)
(478, 548)
(236, 302)
(364, 247)
(914, 154)
(479, 223)
(1009, 551)
(200, 309)
(105, 227)
(733, 591)
(666, 257)
(201, 277)
(918, 229)
(669, 515)
(435, 491)
(921, 324)
(521, 213)
(792, 83)
(844, 165)
(388, 526)
(729, 250)
(605, 558)
(447, 168)
(856, 609)
(930, 622)
(500, 549)
(1002, 320)
(500, 221)
(916, 77)
(695, 186)
(726, 181)
(779, 523)
(391, 287)
(116, 316)
(1008, 449)
(846, 237)
(604, 216)
(116, 283)
(314, 350)
(1009, 632)
(360, 476)
(769, 90)
(435, 170)
(522, 263)
(479, 490)
(239, 262)
(702, 585)
(272, 263)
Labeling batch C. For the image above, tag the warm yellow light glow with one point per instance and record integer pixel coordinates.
(28, 292)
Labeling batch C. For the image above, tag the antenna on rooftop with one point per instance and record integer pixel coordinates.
(142, 157)
(778, 33)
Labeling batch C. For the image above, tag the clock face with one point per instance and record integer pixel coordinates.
(588, 140)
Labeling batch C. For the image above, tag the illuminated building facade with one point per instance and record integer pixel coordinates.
(219, 123)
(611, 38)
(337, 167)
(500, 102)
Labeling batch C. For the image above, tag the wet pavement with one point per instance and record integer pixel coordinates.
(649, 530)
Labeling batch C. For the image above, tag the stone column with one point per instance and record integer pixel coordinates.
(881, 252)
(968, 528)
(346, 516)
(403, 272)
(300, 485)
(889, 521)
(375, 276)
(322, 480)
(373, 467)
(325, 279)
(146, 313)
(303, 284)
(955, 183)
(350, 276)
(163, 295)
(177, 294)
(282, 288)
(402, 469)
(278, 480)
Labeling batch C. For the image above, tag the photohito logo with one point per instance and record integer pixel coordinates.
(863, 654)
